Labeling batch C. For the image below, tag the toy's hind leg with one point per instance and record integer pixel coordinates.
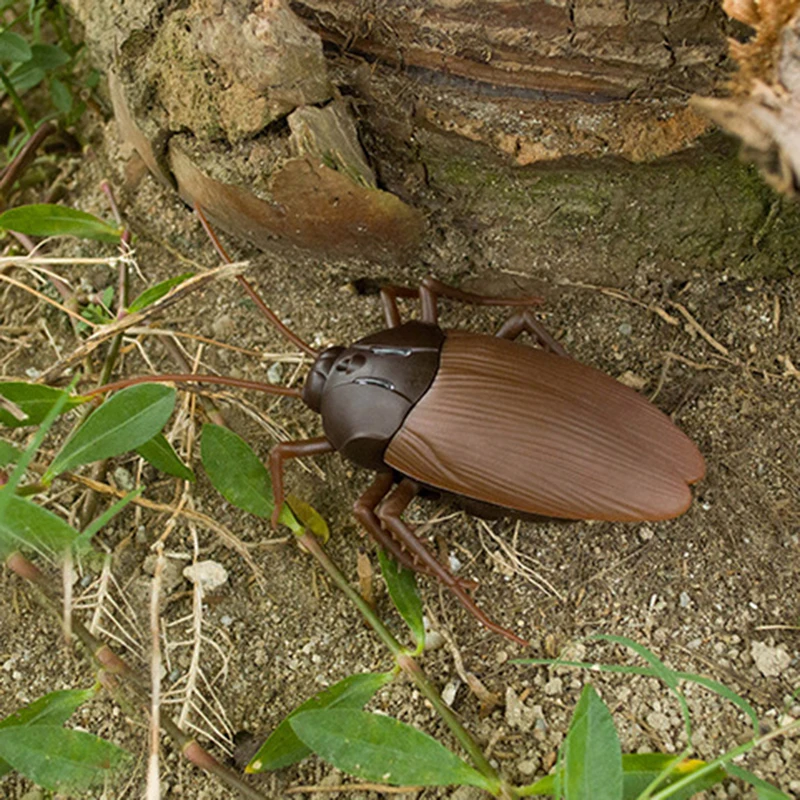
(525, 322)
(388, 512)
(429, 292)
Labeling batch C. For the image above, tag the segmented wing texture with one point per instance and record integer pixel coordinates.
(508, 424)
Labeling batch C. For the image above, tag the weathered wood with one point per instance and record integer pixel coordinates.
(765, 111)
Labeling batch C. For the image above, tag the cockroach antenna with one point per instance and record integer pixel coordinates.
(262, 306)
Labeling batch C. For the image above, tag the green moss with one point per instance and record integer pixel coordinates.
(702, 209)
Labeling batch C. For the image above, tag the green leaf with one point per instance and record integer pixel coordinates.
(34, 400)
(53, 220)
(159, 452)
(8, 453)
(149, 296)
(52, 709)
(24, 525)
(61, 96)
(239, 476)
(125, 421)
(764, 790)
(309, 516)
(639, 770)
(48, 56)
(59, 759)
(384, 750)
(7, 491)
(13, 47)
(593, 758)
(26, 76)
(283, 747)
(402, 587)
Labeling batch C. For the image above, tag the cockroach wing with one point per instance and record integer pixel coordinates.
(538, 433)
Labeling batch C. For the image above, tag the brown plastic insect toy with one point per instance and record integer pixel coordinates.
(511, 428)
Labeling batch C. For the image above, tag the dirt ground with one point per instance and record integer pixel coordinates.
(715, 592)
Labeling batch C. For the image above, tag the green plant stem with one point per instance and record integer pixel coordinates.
(653, 785)
(30, 128)
(722, 760)
(311, 544)
(405, 661)
(414, 671)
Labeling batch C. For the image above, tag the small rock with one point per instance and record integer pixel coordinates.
(468, 793)
(170, 575)
(658, 721)
(124, 479)
(528, 766)
(223, 327)
(433, 640)
(626, 329)
(209, 574)
(449, 692)
(518, 715)
(632, 380)
(275, 373)
(646, 534)
(554, 687)
(771, 661)
(684, 600)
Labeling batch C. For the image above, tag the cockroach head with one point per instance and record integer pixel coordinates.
(315, 382)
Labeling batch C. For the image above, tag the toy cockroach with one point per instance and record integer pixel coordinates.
(512, 429)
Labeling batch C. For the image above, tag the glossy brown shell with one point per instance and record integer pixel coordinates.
(538, 433)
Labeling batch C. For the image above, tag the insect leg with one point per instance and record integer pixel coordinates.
(430, 289)
(389, 295)
(389, 513)
(284, 451)
(364, 512)
(525, 322)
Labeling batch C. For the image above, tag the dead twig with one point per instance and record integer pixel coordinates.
(353, 787)
(120, 679)
(153, 782)
(110, 330)
(228, 538)
(696, 326)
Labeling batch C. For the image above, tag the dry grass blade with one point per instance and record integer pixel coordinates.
(227, 538)
(138, 318)
(696, 326)
(511, 560)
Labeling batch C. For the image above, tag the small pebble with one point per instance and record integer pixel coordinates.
(449, 692)
(554, 687)
(684, 600)
(209, 574)
(223, 327)
(433, 640)
(275, 373)
(658, 721)
(770, 661)
(626, 329)
(528, 766)
(124, 479)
